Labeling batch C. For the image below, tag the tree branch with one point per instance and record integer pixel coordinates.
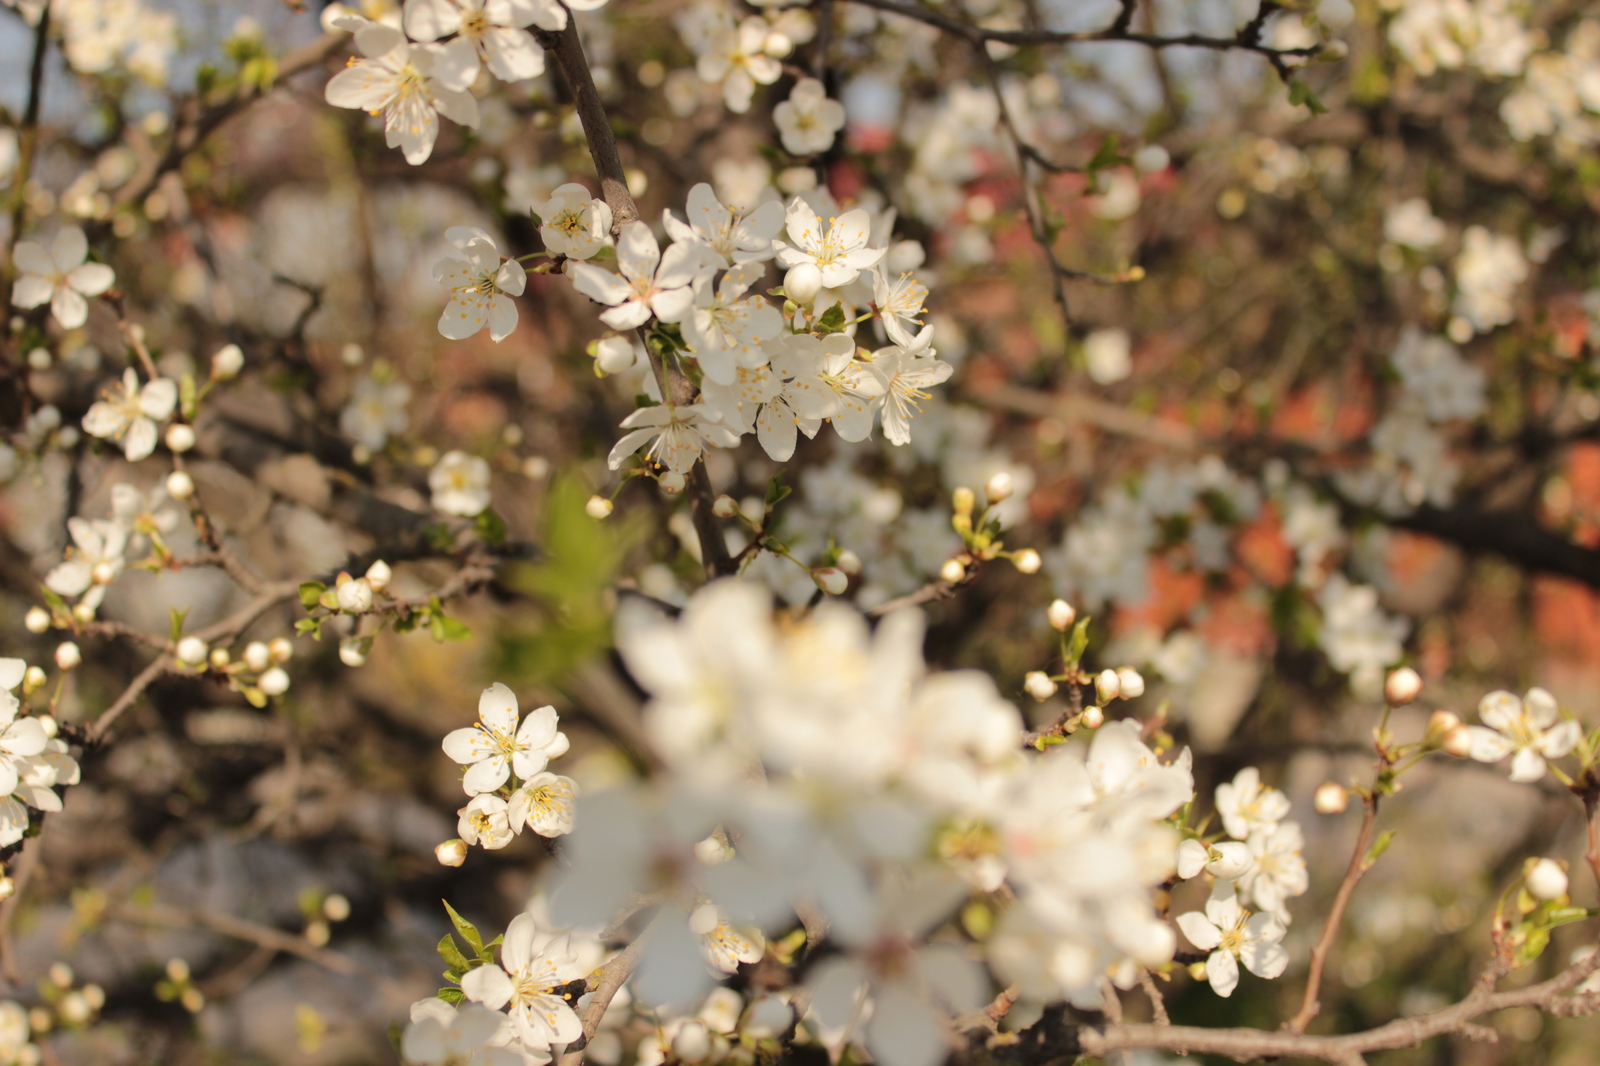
(1309, 1005)
(27, 146)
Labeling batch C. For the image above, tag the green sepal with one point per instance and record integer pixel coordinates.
(311, 593)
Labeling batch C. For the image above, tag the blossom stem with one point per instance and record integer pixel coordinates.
(1309, 1006)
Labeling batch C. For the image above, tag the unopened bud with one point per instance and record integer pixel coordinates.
(998, 487)
(1546, 880)
(281, 649)
(8, 888)
(355, 596)
(1039, 685)
(220, 658)
(953, 571)
(180, 486)
(1093, 717)
(192, 651)
(451, 852)
(47, 722)
(227, 363)
(274, 682)
(598, 507)
(849, 562)
(351, 652)
(33, 679)
(1440, 724)
(1331, 798)
(1402, 686)
(802, 283)
(1131, 683)
(104, 573)
(1107, 686)
(37, 620)
(1027, 560)
(725, 506)
(963, 500)
(180, 437)
(831, 580)
(83, 613)
(256, 656)
(1061, 614)
(1457, 742)
(68, 655)
(672, 482)
(379, 575)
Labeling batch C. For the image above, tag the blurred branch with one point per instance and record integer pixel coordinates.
(605, 983)
(27, 146)
(1359, 864)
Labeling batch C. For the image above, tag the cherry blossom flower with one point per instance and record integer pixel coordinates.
(1226, 859)
(735, 235)
(497, 746)
(396, 79)
(544, 804)
(1245, 806)
(375, 412)
(898, 302)
(1233, 935)
(92, 563)
(442, 1035)
(1531, 727)
(573, 223)
(523, 982)
(460, 484)
(679, 435)
(130, 414)
(1277, 871)
(858, 388)
(839, 254)
(737, 59)
(787, 396)
(907, 372)
(724, 945)
(484, 821)
(726, 332)
(487, 31)
(808, 121)
(479, 283)
(59, 276)
(651, 283)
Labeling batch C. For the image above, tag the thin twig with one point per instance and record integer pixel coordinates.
(605, 983)
(1309, 1005)
(27, 147)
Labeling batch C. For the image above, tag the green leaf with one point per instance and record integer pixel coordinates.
(329, 599)
(534, 217)
(1532, 947)
(309, 625)
(490, 526)
(1300, 95)
(452, 955)
(407, 623)
(256, 697)
(1567, 915)
(188, 401)
(446, 628)
(310, 593)
(1379, 846)
(452, 995)
(177, 623)
(1078, 642)
(776, 491)
(468, 931)
(832, 320)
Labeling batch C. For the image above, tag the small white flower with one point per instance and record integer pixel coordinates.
(396, 80)
(678, 436)
(92, 563)
(484, 821)
(908, 371)
(1233, 935)
(735, 235)
(840, 253)
(808, 121)
(1107, 355)
(1226, 859)
(496, 746)
(574, 224)
(1277, 870)
(651, 283)
(59, 276)
(523, 982)
(129, 413)
(1245, 806)
(899, 302)
(488, 32)
(1531, 727)
(725, 946)
(376, 410)
(444, 1036)
(479, 284)
(544, 803)
(726, 332)
(737, 58)
(1412, 224)
(460, 484)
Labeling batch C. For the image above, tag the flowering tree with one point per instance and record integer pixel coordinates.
(1164, 413)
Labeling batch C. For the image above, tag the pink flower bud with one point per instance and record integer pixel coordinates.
(1107, 686)
(1331, 798)
(831, 580)
(1457, 742)
(1038, 685)
(1546, 880)
(1027, 560)
(1093, 717)
(1402, 686)
(451, 852)
(725, 507)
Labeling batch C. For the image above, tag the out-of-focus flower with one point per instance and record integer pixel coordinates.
(460, 484)
(808, 121)
(129, 413)
(59, 276)
(1530, 727)
(396, 79)
(480, 284)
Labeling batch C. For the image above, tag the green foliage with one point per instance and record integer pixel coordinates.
(832, 320)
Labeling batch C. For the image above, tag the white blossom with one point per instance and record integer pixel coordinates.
(573, 223)
(1246, 806)
(496, 746)
(678, 436)
(487, 31)
(460, 484)
(727, 330)
(651, 283)
(375, 412)
(735, 56)
(1232, 935)
(129, 413)
(58, 275)
(839, 253)
(522, 984)
(1531, 727)
(808, 121)
(396, 79)
(480, 284)
(735, 235)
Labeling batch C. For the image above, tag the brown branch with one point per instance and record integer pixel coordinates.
(1359, 865)
(27, 146)
(27, 864)
(932, 592)
(605, 982)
